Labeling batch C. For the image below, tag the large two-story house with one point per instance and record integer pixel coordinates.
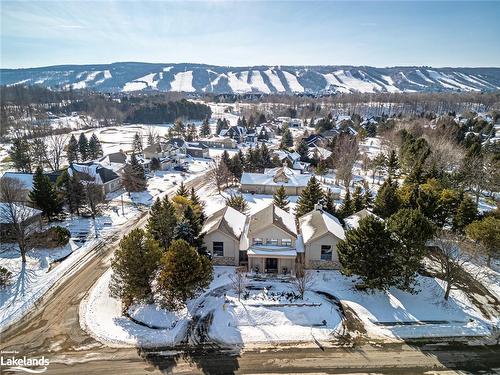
(269, 241)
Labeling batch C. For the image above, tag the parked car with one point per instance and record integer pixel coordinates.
(180, 168)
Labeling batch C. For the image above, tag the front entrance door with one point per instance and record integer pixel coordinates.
(271, 264)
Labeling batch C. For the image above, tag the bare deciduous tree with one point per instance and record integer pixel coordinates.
(14, 214)
(95, 197)
(452, 253)
(345, 155)
(303, 279)
(219, 174)
(56, 144)
(239, 281)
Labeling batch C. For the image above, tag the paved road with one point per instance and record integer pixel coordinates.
(53, 330)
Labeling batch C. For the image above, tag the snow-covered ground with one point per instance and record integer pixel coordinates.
(271, 312)
(399, 314)
(274, 313)
(37, 277)
(100, 315)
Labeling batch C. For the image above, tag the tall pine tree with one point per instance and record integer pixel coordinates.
(44, 196)
(72, 150)
(83, 147)
(280, 199)
(311, 195)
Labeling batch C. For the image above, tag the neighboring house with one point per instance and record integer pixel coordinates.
(92, 172)
(115, 161)
(269, 181)
(27, 216)
(197, 150)
(270, 241)
(352, 222)
(291, 160)
(223, 230)
(314, 140)
(321, 232)
(320, 152)
(238, 133)
(166, 153)
(219, 142)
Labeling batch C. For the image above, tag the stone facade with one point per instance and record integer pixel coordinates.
(224, 261)
(323, 265)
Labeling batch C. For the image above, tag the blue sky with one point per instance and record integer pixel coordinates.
(241, 33)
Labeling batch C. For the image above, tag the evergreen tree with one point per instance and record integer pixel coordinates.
(387, 201)
(346, 209)
(311, 195)
(20, 155)
(487, 233)
(236, 165)
(182, 275)
(358, 201)
(72, 151)
(286, 138)
(95, 148)
(192, 133)
(205, 128)
(198, 206)
(329, 205)
(182, 190)
(369, 252)
(191, 218)
(237, 202)
(264, 157)
(133, 176)
(137, 144)
(280, 199)
(155, 164)
(303, 150)
(44, 196)
(466, 213)
(134, 266)
(411, 229)
(72, 192)
(368, 198)
(162, 221)
(83, 147)
(392, 165)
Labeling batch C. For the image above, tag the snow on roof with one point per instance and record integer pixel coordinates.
(276, 177)
(271, 215)
(352, 222)
(269, 251)
(317, 223)
(25, 178)
(21, 212)
(227, 219)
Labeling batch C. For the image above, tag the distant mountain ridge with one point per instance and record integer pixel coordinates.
(200, 78)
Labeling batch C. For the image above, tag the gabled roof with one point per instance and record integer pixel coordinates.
(268, 216)
(115, 157)
(92, 172)
(276, 177)
(19, 211)
(352, 222)
(317, 223)
(227, 220)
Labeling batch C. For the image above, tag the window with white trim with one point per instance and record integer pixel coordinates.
(218, 249)
(326, 252)
(286, 242)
